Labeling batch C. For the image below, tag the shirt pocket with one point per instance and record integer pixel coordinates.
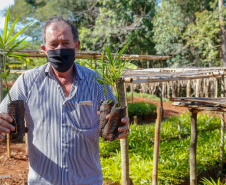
(86, 116)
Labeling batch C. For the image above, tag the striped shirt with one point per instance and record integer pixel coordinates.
(63, 137)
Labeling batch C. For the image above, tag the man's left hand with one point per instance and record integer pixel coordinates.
(124, 130)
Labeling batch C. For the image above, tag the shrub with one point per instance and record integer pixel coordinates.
(141, 109)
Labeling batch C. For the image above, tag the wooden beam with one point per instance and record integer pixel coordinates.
(94, 55)
(124, 142)
(156, 146)
(193, 145)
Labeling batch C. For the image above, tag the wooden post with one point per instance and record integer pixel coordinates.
(193, 144)
(163, 89)
(26, 141)
(179, 129)
(135, 120)
(156, 147)
(124, 142)
(131, 87)
(215, 88)
(173, 89)
(212, 86)
(8, 146)
(168, 90)
(222, 87)
(222, 129)
(207, 85)
(188, 88)
(178, 88)
(222, 143)
(197, 88)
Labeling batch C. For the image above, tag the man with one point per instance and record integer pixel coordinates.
(63, 132)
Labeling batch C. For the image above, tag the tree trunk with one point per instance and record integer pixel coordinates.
(193, 144)
(223, 33)
(124, 142)
(156, 147)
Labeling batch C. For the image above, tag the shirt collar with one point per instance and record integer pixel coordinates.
(78, 72)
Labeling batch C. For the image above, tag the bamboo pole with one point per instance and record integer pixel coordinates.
(222, 129)
(207, 85)
(93, 55)
(168, 90)
(188, 88)
(124, 142)
(193, 144)
(8, 146)
(222, 143)
(215, 88)
(135, 120)
(156, 147)
(197, 88)
(26, 141)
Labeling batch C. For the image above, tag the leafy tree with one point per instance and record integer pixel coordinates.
(203, 35)
(170, 25)
(99, 22)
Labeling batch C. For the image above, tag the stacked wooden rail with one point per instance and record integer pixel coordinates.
(194, 104)
(93, 55)
(198, 82)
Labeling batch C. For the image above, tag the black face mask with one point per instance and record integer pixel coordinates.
(61, 59)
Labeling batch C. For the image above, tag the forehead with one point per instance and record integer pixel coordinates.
(58, 28)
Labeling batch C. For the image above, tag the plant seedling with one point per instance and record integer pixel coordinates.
(112, 70)
(9, 46)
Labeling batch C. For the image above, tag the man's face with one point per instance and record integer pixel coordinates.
(59, 36)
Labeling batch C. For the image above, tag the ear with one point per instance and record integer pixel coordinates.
(44, 49)
(77, 44)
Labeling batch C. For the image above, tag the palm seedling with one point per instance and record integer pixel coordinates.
(9, 46)
(111, 70)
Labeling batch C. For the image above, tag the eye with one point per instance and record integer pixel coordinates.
(53, 45)
(66, 43)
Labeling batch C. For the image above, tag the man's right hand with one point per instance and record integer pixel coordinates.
(5, 126)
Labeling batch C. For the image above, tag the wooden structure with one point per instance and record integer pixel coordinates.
(166, 75)
(157, 75)
(196, 105)
(198, 82)
(93, 55)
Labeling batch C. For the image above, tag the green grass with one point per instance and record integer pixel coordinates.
(145, 95)
(174, 153)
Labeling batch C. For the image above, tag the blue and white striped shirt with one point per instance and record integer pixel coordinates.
(63, 137)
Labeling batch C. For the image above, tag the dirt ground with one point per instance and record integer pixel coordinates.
(14, 171)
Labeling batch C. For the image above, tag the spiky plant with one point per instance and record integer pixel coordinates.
(9, 45)
(112, 68)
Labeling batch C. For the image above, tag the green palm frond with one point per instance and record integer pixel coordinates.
(206, 181)
(9, 46)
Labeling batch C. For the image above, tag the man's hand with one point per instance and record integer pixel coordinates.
(124, 130)
(5, 126)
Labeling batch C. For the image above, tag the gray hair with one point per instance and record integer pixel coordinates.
(59, 19)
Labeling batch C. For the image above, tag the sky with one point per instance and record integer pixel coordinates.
(3, 5)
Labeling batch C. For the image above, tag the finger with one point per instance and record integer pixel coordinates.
(98, 113)
(123, 134)
(4, 129)
(123, 128)
(5, 124)
(125, 120)
(2, 136)
(108, 116)
(5, 120)
(6, 117)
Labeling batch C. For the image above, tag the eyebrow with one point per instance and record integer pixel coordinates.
(58, 40)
